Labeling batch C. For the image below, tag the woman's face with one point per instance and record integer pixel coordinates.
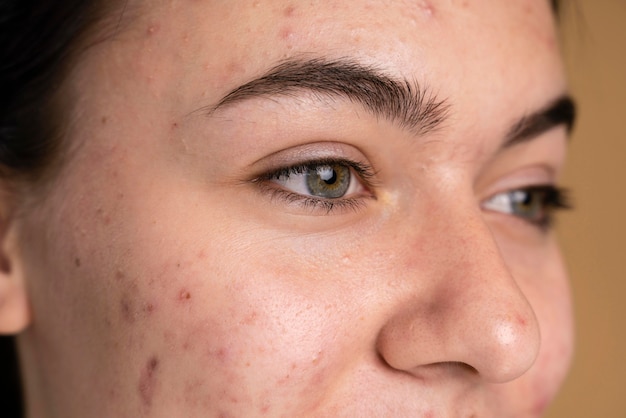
(363, 233)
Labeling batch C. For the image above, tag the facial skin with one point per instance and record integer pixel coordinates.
(169, 276)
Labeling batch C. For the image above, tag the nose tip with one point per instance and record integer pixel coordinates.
(499, 343)
(465, 308)
(509, 347)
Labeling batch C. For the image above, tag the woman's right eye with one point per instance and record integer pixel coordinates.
(325, 183)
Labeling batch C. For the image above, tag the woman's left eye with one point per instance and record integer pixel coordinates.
(324, 183)
(535, 204)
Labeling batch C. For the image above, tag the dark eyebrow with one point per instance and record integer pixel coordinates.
(561, 111)
(401, 102)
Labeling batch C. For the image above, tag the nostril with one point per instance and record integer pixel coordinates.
(456, 367)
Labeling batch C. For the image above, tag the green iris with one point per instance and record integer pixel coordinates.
(529, 204)
(328, 181)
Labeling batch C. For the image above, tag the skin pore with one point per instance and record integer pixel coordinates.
(176, 267)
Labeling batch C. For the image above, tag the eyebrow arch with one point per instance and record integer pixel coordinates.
(399, 101)
(561, 111)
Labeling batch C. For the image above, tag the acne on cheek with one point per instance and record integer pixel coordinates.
(148, 381)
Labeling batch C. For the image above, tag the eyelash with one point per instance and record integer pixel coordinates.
(364, 173)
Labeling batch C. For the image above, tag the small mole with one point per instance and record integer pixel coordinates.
(174, 125)
(147, 380)
(119, 275)
(77, 262)
(104, 120)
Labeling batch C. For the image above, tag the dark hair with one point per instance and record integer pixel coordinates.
(39, 40)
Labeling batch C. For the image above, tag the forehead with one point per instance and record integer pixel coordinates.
(232, 40)
(481, 56)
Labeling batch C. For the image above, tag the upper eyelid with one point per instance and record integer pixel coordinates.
(365, 171)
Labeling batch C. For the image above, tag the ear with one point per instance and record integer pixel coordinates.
(14, 308)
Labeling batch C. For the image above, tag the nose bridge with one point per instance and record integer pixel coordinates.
(469, 311)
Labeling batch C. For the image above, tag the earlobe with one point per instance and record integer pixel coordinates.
(14, 308)
(14, 312)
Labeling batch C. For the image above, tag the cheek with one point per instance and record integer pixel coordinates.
(250, 338)
(551, 301)
(204, 320)
(556, 321)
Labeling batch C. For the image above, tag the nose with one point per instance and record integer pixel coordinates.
(461, 306)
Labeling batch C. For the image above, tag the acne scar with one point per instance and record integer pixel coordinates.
(289, 10)
(127, 310)
(148, 308)
(147, 380)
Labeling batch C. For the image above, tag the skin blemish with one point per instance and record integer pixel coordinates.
(152, 30)
(289, 11)
(285, 34)
(389, 201)
(184, 295)
(77, 262)
(148, 308)
(147, 380)
(427, 8)
(249, 319)
(126, 309)
(104, 120)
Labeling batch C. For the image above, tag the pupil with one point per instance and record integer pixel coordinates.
(327, 174)
(328, 181)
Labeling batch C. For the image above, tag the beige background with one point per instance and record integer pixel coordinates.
(593, 235)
